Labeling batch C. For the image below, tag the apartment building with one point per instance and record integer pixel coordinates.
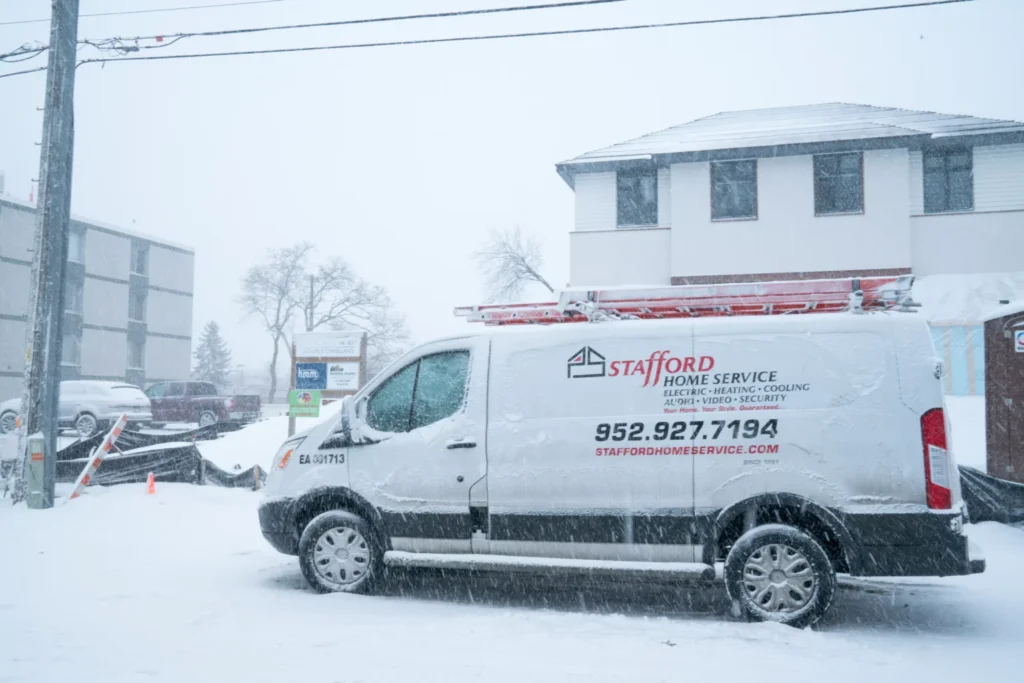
(128, 302)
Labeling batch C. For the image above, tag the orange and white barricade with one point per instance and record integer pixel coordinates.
(96, 458)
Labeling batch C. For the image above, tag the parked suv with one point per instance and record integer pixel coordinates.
(89, 406)
(789, 448)
(200, 402)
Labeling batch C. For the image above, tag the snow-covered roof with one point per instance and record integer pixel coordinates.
(100, 225)
(1012, 308)
(817, 124)
(967, 298)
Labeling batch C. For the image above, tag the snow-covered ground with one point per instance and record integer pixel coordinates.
(180, 586)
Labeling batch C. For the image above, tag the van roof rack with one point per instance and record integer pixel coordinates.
(701, 301)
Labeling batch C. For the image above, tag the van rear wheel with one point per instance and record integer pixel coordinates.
(780, 573)
(338, 553)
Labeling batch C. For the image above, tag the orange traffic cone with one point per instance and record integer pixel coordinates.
(151, 484)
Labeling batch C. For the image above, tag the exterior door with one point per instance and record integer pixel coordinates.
(427, 425)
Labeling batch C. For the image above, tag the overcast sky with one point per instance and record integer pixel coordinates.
(402, 159)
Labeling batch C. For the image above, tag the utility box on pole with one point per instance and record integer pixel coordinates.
(1004, 393)
(36, 495)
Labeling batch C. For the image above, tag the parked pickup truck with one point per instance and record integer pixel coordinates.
(199, 402)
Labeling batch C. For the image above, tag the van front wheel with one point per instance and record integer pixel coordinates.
(338, 553)
(779, 573)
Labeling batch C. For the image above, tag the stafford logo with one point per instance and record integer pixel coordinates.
(586, 363)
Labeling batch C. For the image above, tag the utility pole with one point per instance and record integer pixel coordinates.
(46, 297)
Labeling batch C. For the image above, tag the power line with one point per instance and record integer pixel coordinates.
(530, 34)
(23, 53)
(376, 20)
(26, 71)
(148, 11)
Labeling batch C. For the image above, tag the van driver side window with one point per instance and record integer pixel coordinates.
(431, 389)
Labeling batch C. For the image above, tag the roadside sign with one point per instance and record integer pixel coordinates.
(304, 403)
(328, 344)
(311, 376)
(343, 376)
(327, 365)
(1018, 341)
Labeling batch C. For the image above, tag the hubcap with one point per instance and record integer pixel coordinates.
(86, 425)
(205, 420)
(778, 578)
(341, 556)
(8, 423)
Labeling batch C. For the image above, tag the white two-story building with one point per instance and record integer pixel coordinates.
(830, 190)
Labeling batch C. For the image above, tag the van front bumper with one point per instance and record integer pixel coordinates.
(913, 544)
(277, 522)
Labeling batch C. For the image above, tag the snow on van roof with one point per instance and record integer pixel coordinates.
(630, 328)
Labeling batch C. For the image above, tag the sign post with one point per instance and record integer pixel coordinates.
(325, 365)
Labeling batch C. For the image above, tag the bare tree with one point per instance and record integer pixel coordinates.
(509, 263)
(337, 298)
(270, 292)
(284, 293)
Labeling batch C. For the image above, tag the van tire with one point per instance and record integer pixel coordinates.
(782, 574)
(361, 567)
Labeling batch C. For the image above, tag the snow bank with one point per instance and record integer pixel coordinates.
(966, 299)
(257, 443)
(180, 586)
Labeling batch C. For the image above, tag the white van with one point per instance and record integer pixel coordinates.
(788, 447)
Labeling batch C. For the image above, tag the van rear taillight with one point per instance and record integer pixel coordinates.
(936, 460)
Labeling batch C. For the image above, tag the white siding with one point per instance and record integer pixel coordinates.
(15, 283)
(595, 201)
(968, 242)
(170, 269)
(17, 228)
(105, 303)
(664, 197)
(999, 178)
(167, 358)
(169, 313)
(638, 256)
(787, 236)
(915, 168)
(107, 255)
(104, 354)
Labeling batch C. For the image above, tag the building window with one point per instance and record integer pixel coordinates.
(136, 354)
(137, 307)
(73, 296)
(140, 258)
(637, 198)
(733, 189)
(71, 350)
(948, 180)
(838, 183)
(76, 245)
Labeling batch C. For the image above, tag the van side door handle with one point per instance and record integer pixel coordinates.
(461, 444)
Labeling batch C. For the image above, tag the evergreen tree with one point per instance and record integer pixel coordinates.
(213, 360)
